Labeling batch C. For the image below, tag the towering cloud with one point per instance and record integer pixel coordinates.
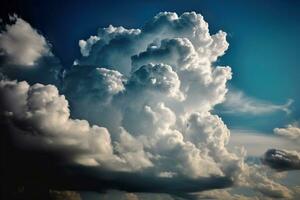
(150, 93)
(167, 86)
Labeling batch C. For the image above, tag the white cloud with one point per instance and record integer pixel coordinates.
(132, 150)
(125, 43)
(25, 54)
(41, 118)
(85, 46)
(157, 77)
(167, 77)
(259, 179)
(150, 92)
(238, 103)
(99, 83)
(257, 143)
(21, 44)
(291, 132)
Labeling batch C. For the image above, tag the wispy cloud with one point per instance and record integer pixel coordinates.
(239, 103)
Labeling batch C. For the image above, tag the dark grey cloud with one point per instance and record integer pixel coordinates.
(282, 159)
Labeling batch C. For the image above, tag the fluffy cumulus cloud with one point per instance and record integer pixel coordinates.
(168, 87)
(25, 54)
(39, 113)
(21, 44)
(149, 93)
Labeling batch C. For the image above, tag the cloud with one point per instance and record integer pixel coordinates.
(167, 76)
(25, 54)
(64, 195)
(258, 178)
(157, 77)
(99, 83)
(282, 159)
(256, 143)
(223, 194)
(238, 103)
(20, 44)
(291, 132)
(40, 118)
(149, 93)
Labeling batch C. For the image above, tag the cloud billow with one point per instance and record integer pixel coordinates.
(22, 48)
(167, 77)
(149, 93)
(20, 44)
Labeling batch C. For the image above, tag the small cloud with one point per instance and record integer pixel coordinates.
(282, 159)
(86, 45)
(285, 159)
(237, 102)
(20, 44)
(291, 132)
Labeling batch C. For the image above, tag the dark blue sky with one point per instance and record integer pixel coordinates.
(264, 40)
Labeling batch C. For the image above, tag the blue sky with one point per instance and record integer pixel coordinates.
(263, 37)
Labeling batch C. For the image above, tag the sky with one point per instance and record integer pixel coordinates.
(263, 39)
(174, 77)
